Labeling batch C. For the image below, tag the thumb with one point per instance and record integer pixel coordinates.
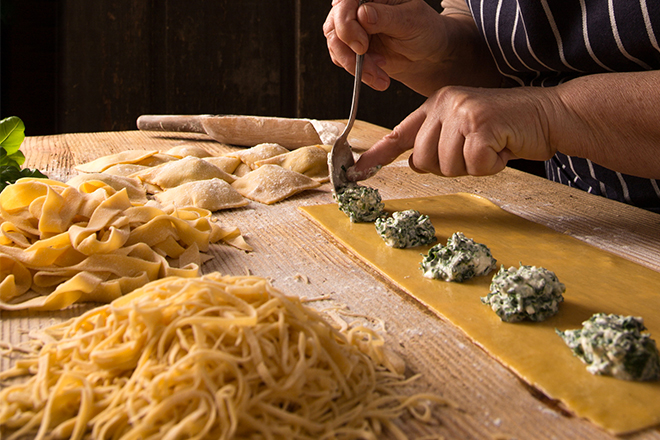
(386, 150)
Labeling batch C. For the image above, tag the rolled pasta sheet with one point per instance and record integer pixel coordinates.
(212, 357)
(60, 245)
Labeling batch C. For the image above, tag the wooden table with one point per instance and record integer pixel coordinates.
(491, 402)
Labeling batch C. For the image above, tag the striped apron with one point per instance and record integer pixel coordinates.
(547, 42)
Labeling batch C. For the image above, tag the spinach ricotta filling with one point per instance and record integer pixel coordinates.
(360, 203)
(529, 292)
(614, 345)
(461, 259)
(404, 229)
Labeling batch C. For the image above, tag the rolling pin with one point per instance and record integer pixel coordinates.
(248, 131)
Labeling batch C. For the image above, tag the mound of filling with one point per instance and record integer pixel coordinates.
(404, 229)
(360, 203)
(526, 293)
(461, 259)
(614, 345)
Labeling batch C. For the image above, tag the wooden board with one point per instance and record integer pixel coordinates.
(490, 401)
(596, 281)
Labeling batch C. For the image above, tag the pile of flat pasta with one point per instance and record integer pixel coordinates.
(60, 244)
(215, 357)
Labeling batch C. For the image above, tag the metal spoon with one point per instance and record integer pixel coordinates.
(341, 155)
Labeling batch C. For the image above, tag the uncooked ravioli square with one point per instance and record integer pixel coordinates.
(178, 172)
(270, 184)
(212, 194)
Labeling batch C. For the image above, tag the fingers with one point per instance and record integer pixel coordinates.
(345, 37)
(460, 131)
(451, 154)
(372, 74)
(390, 147)
(342, 21)
(342, 55)
(425, 156)
(484, 156)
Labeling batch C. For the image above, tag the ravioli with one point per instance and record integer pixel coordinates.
(125, 169)
(258, 152)
(269, 184)
(185, 150)
(242, 169)
(184, 170)
(312, 161)
(212, 194)
(225, 163)
(157, 159)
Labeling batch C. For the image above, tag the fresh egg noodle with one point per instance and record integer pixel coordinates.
(60, 245)
(212, 357)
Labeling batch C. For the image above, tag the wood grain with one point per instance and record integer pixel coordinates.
(490, 402)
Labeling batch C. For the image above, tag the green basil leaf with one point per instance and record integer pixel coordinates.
(15, 160)
(26, 172)
(12, 133)
(10, 174)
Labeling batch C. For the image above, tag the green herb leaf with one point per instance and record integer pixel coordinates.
(10, 174)
(12, 133)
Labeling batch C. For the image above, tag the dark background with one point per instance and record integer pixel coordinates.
(96, 65)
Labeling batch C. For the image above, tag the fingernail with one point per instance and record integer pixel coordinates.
(372, 15)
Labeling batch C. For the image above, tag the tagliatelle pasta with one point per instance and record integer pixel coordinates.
(215, 357)
(125, 157)
(86, 181)
(60, 244)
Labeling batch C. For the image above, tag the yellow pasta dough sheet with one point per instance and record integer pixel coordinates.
(596, 281)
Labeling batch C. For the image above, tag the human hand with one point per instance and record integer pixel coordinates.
(401, 39)
(468, 131)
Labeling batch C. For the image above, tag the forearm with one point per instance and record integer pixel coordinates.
(613, 119)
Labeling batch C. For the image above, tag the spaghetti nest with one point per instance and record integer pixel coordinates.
(216, 357)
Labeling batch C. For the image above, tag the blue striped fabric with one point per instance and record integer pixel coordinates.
(547, 42)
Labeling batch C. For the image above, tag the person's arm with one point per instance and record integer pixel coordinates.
(409, 42)
(612, 119)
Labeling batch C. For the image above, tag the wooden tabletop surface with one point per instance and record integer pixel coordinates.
(300, 259)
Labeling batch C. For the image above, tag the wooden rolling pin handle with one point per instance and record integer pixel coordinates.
(181, 123)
